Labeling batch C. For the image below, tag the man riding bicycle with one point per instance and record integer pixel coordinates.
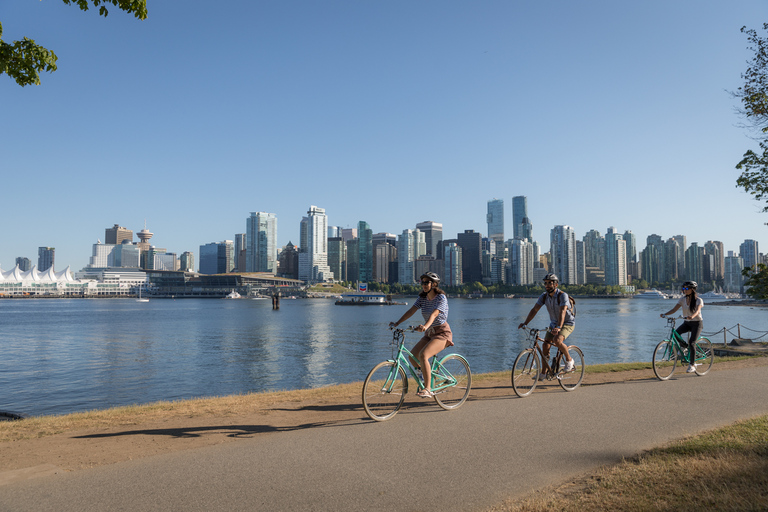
(562, 321)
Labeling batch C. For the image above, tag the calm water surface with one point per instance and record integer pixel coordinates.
(66, 355)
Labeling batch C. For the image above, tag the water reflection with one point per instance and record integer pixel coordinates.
(71, 355)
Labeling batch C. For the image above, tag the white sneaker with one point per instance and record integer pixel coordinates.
(570, 365)
(691, 368)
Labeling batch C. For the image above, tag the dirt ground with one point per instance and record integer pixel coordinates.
(75, 450)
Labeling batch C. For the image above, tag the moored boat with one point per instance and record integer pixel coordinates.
(367, 299)
(652, 294)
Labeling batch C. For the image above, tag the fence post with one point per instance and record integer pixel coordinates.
(725, 337)
(739, 326)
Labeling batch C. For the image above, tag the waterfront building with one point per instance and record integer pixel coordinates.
(410, 245)
(33, 283)
(682, 244)
(127, 254)
(353, 260)
(471, 252)
(24, 264)
(433, 236)
(288, 262)
(144, 236)
(187, 262)
(717, 251)
(337, 256)
(116, 234)
(495, 220)
(452, 274)
(102, 255)
(521, 262)
(261, 242)
(46, 258)
(563, 253)
(384, 246)
(241, 252)
(165, 261)
(615, 258)
(216, 258)
(694, 268)
(365, 252)
(594, 249)
(313, 247)
(749, 253)
(519, 217)
(733, 279)
(581, 267)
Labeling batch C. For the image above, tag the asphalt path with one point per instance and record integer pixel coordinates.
(423, 459)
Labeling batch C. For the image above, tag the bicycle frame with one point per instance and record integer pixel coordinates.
(535, 339)
(677, 341)
(402, 360)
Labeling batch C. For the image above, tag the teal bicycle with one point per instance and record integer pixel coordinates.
(667, 353)
(386, 385)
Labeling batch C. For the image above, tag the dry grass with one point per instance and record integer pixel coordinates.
(41, 426)
(725, 469)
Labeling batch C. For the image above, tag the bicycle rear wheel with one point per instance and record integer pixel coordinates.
(452, 367)
(571, 380)
(664, 360)
(384, 390)
(705, 356)
(525, 372)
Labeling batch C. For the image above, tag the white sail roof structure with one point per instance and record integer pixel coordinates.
(33, 276)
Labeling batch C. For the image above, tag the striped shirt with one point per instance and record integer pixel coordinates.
(440, 302)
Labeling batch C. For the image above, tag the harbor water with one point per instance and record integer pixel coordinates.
(59, 356)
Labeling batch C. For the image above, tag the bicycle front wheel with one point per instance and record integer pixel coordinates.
(452, 368)
(384, 390)
(525, 372)
(705, 356)
(571, 380)
(664, 360)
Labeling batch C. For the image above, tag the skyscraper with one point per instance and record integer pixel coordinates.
(471, 255)
(365, 249)
(406, 255)
(521, 226)
(313, 255)
(261, 242)
(521, 256)
(452, 275)
(495, 220)
(216, 258)
(23, 263)
(433, 235)
(749, 253)
(732, 273)
(615, 258)
(116, 234)
(563, 251)
(46, 257)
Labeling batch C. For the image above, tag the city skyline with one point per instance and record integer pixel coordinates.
(139, 237)
(602, 114)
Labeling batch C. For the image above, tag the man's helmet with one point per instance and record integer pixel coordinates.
(432, 277)
(551, 277)
(690, 284)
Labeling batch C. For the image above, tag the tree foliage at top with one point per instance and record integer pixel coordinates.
(754, 108)
(24, 60)
(757, 281)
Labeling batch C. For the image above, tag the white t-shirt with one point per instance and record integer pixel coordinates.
(687, 310)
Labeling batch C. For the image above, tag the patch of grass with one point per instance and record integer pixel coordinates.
(724, 469)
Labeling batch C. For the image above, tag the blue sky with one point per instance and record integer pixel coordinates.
(602, 113)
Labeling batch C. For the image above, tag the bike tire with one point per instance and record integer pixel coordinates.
(572, 380)
(664, 360)
(525, 372)
(705, 356)
(384, 391)
(457, 368)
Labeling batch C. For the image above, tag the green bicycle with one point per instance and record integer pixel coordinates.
(668, 351)
(386, 385)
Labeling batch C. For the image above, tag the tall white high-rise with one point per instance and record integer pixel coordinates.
(563, 251)
(313, 255)
(521, 256)
(410, 245)
(261, 242)
(615, 258)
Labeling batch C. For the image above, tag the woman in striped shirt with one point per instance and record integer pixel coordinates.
(437, 333)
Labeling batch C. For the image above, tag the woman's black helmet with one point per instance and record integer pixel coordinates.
(690, 284)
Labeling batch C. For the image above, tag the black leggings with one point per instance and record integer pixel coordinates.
(694, 327)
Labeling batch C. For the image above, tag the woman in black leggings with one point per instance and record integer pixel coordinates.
(693, 322)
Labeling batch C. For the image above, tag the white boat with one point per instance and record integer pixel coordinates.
(366, 299)
(139, 299)
(652, 294)
(712, 295)
(232, 295)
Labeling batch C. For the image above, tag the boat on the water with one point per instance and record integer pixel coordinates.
(652, 294)
(367, 299)
(233, 295)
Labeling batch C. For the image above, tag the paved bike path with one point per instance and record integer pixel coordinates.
(424, 458)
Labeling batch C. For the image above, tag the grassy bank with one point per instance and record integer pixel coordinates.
(724, 469)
